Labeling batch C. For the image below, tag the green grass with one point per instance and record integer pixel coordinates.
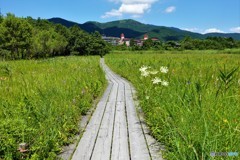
(225, 51)
(198, 112)
(41, 103)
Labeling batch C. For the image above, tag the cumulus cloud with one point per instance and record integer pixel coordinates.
(170, 9)
(235, 30)
(213, 30)
(112, 13)
(191, 29)
(136, 8)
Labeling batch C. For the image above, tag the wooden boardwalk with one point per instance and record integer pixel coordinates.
(114, 131)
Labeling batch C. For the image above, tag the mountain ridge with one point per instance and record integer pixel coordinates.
(134, 29)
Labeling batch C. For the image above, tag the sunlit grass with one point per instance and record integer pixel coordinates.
(195, 114)
(41, 103)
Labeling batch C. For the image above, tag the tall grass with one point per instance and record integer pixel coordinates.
(41, 103)
(198, 112)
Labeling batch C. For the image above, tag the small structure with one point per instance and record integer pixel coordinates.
(155, 39)
(112, 40)
(145, 37)
(124, 40)
(122, 37)
(138, 42)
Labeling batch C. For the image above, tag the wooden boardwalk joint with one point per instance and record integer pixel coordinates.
(115, 131)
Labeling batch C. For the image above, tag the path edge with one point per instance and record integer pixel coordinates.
(68, 151)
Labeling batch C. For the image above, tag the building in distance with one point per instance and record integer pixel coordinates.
(112, 40)
(122, 40)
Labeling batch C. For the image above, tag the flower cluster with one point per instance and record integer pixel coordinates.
(145, 72)
(164, 69)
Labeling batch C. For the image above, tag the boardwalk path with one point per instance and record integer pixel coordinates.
(114, 131)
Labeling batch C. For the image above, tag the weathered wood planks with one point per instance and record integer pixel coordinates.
(114, 131)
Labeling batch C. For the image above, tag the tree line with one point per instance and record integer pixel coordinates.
(188, 43)
(27, 38)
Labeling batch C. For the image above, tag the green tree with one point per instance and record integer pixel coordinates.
(97, 45)
(16, 36)
(157, 45)
(172, 45)
(82, 43)
(147, 44)
(41, 46)
(48, 43)
(132, 42)
(1, 18)
(75, 41)
(43, 24)
(187, 43)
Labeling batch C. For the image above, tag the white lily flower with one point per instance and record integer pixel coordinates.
(164, 69)
(156, 80)
(143, 68)
(164, 83)
(145, 73)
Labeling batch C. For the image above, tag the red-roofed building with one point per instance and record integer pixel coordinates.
(145, 37)
(124, 40)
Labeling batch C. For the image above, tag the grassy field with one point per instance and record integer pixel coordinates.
(191, 101)
(41, 103)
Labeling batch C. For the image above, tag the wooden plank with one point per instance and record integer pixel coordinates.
(87, 142)
(154, 147)
(138, 146)
(121, 93)
(114, 131)
(102, 147)
(120, 149)
(113, 94)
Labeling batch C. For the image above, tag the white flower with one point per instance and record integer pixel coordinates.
(143, 68)
(145, 73)
(164, 83)
(156, 80)
(164, 69)
(153, 72)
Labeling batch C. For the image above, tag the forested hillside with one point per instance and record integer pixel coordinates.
(25, 38)
(135, 29)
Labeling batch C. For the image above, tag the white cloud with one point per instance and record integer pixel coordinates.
(136, 8)
(191, 29)
(136, 16)
(112, 13)
(212, 30)
(235, 30)
(170, 9)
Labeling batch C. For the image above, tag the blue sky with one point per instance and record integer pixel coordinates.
(201, 16)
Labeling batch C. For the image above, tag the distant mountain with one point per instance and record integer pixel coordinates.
(63, 22)
(233, 35)
(135, 29)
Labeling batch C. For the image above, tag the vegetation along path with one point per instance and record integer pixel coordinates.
(115, 131)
